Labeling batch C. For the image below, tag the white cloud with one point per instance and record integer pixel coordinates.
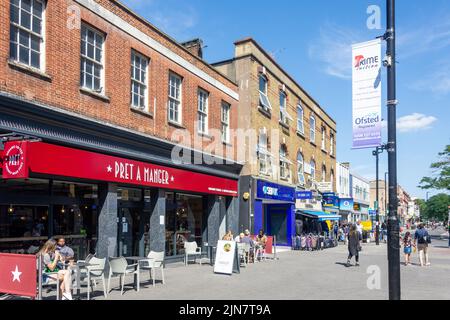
(333, 49)
(415, 122)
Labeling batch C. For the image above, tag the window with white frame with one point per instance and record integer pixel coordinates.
(312, 129)
(300, 169)
(263, 98)
(92, 59)
(300, 124)
(202, 111)
(264, 157)
(26, 38)
(225, 119)
(284, 163)
(139, 67)
(324, 174)
(174, 112)
(313, 169)
(332, 179)
(283, 111)
(331, 144)
(323, 132)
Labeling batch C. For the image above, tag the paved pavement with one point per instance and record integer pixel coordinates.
(297, 275)
(301, 275)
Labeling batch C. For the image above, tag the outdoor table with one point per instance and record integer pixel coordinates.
(210, 250)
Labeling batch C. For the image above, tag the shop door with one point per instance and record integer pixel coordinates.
(129, 231)
(277, 223)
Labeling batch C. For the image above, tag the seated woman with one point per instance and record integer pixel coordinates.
(228, 236)
(260, 245)
(50, 259)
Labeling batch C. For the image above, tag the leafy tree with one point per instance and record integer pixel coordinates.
(422, 206)
(441, 177)
(437, 207)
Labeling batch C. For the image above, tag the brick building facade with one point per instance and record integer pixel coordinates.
(291, 137)
(94, 76)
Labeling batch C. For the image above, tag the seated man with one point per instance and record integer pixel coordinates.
(65, 251)
(247, 239)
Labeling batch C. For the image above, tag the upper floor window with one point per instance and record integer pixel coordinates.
(139, 66)
(225, 118)
(332, 179)
(323, 132)
(263, 98)
(300, 169)
(203, 100)
(26, 38)
(313, 169)
(284, 163)
(324, 174)
(312, 129)
(264, 157)
(92, 68)
(174, 112)
(331, 144)
(300, 124)
(283, 111)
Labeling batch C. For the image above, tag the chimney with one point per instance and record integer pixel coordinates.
(195, 47)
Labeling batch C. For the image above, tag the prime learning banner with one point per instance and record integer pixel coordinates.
(366, 94)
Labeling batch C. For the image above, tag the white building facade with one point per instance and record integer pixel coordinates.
(360, 192)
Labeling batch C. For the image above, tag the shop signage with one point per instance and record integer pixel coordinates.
(225, 256)
(325, 186)
(330, 201)
(303, 195)
(18, 274)
(366, 71)
(346, 204)
(372, 212)
(267, 190)
(356, 207)
(24, 158)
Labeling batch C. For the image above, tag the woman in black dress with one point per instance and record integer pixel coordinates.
(354, 245)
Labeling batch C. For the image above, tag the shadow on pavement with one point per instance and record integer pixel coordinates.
(342, 264)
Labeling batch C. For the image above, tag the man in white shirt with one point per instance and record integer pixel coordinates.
(359, 227)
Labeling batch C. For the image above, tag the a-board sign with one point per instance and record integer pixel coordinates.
(225, 257)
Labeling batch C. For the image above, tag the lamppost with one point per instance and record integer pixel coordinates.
(393, 221)
(376, 153)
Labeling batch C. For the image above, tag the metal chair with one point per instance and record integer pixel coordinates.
(154, 260)
(118, 267)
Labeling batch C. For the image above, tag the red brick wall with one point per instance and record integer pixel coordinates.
(62, 55)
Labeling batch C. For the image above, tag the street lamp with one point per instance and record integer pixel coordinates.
(376, 153)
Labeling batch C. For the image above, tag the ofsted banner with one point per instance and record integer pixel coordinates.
(366, 94)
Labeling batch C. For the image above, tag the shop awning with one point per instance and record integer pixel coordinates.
(322, 216)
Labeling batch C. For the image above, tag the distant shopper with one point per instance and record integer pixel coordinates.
(50, 258)
(422, 240)
(336, 230)
(228, 236)
(384, 231)
(354, 245)
(407, 247)
(359, 227)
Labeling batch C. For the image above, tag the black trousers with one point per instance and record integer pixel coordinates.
(350, 256)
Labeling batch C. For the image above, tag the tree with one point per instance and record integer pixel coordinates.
(437, 207)
(422, 206)
(441, 175)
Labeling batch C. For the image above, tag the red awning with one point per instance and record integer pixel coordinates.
(23, 158)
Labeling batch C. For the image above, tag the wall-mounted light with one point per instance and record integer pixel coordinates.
(11, 209)
(63, 210)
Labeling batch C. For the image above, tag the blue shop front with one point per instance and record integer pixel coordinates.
(274, 211)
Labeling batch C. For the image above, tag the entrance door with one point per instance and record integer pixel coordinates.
(277, 222)
(129, 234)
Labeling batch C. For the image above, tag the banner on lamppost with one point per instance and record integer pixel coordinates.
(366, 84)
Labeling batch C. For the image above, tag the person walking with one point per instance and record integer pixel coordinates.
(407, 247)
(422, 239)
(354, 245)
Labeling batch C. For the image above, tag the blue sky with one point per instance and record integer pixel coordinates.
(312, 41)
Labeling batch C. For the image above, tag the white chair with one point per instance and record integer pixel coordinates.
(243, 253)
(191, 249)
(93, 272)
(154, 261)
(51, 278)
(118, 267)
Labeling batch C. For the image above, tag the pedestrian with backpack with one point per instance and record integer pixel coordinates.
(422, 239)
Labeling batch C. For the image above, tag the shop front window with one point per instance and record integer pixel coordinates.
(184, 214)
